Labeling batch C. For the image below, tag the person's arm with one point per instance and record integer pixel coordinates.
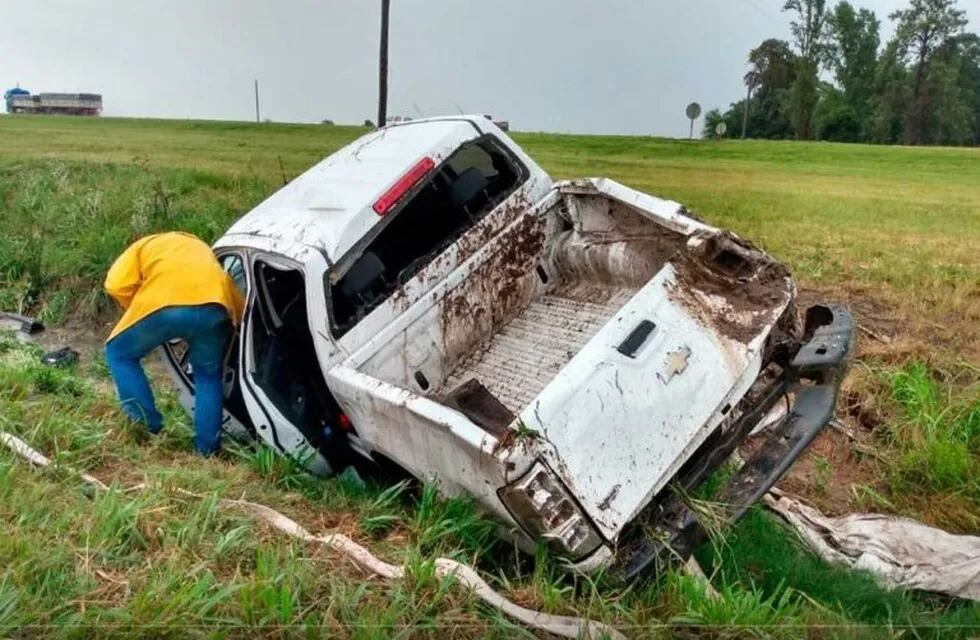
(124, 277)
(238, 302)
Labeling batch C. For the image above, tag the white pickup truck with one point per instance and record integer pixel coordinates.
(576, 356)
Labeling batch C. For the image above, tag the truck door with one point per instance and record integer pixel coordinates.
(282, 384)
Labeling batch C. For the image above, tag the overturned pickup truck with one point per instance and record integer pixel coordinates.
(576, 356)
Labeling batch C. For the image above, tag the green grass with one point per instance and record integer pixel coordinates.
(939, 439)
(162, 563)
(67, 222)
(890, 230)
(779, 571)
(901, 222)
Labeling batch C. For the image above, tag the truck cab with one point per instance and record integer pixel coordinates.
(575, 356)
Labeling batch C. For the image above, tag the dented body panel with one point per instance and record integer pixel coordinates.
(576, 351)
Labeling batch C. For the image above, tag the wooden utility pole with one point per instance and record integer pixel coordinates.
(383, 66)
(257, 101)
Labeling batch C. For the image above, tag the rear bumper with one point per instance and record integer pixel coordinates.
(811, 380)
(814, 378)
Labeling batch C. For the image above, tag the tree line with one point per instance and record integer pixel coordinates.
(921, 87)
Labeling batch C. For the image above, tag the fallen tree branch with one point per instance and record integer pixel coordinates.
(694, 570)
(880, 337)
(565, 626)
(24, 450)
(859, 446)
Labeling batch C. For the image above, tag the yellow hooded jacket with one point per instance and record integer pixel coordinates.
(166, 270)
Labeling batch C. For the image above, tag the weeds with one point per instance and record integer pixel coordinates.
(146, 562)
(453, 523)
(763, 556)
(823, 471)
(779, 613)
(65, 224)
(383, 512)
(939, 439)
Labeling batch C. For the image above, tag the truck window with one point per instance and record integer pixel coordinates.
(466, 187)
(235, 267)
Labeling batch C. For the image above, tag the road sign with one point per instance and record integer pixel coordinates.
(693, 111)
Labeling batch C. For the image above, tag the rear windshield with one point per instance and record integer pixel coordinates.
(476, 177)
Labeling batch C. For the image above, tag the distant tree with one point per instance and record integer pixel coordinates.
(968, 46)
(772, 68)
(835, 119)
(922, 30)
(922, 88)
(712, 119)
(809, 37)
(368, 124)
(773, 64)
(951, 84)
(771, 71)
(751, 79)
(948, 121)
(852, 55)
(892, 95)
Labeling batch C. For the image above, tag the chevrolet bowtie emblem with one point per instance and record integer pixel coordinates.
(676, 364)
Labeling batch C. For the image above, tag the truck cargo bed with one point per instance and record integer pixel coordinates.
(533, 347)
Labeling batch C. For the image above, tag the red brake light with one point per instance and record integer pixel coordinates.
(411, 178)
(344, 422)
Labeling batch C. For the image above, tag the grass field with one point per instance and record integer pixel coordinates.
(893, 232)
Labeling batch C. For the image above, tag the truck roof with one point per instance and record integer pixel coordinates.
(330, 206)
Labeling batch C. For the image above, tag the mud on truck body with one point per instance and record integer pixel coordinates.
(576, 356)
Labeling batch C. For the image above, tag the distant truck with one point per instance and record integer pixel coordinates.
(75, 104)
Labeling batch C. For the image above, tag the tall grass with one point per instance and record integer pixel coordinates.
(66, 222)
(939, 437)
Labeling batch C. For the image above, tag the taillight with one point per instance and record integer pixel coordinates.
(540, 502)
(344, 422)
(411, 178)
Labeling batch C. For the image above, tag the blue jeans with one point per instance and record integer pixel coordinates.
(206, 329)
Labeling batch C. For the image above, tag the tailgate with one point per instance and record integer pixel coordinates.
(636, 401)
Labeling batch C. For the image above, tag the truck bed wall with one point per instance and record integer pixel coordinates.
(585, 253)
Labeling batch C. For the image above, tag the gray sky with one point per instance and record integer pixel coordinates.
(597, 66)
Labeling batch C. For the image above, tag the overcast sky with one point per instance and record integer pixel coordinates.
(597, 66)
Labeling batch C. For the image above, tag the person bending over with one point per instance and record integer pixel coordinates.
(170, 285)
